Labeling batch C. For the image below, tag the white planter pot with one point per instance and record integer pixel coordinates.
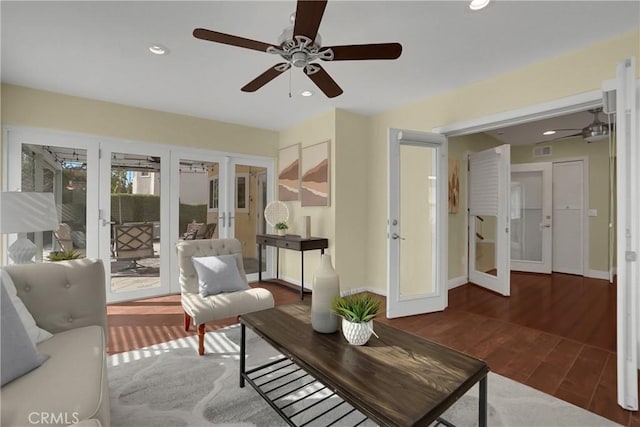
(357, 333)
(281, 232)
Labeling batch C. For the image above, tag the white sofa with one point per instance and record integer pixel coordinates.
(67, 299)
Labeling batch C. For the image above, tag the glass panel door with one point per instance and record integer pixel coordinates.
(417, 226)
(530, 214)
(63, 165)
(133, 209)
(199, 202)
(247, 216)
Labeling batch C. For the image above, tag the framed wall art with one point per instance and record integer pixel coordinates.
(289, 173)
(315, 185)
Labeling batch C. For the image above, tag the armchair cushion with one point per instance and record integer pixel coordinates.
(18, 352)
(218, 274)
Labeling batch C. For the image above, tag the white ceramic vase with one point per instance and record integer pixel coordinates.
(326, 286)
(357, 333)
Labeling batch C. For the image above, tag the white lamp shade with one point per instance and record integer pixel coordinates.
(25, 212)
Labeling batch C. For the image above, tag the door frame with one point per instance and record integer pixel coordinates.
(554, 108)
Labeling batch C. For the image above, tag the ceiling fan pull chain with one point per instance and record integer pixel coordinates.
(289, 82)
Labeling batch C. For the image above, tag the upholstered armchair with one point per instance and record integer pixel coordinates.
(199, 309)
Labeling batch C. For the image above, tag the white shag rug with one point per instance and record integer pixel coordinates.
(170, 385)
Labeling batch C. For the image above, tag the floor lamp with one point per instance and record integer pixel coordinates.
(25, 212)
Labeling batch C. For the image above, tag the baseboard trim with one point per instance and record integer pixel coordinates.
(458, 281)
(597, 274)
(357, 290)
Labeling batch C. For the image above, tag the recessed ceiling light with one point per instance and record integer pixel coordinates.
(478, 4)
(158, 49)
(306, 93)
(549, 132)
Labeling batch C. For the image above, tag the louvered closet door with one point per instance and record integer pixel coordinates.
(489, 196)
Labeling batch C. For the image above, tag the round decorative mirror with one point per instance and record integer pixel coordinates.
(276, 212)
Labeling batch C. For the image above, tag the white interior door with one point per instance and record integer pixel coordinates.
(489, 197)
(628, 237)
(569, 217)
(417, 223)
(531, 219)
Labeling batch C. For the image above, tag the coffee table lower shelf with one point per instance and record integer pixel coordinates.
(300, 399)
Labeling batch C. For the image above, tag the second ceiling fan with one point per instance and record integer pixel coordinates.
(300, 45)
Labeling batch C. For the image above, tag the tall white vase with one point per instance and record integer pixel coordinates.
(326, 286)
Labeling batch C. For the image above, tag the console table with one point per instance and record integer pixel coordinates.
(294, 243)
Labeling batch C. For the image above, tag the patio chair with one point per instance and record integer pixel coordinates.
(199, 310)
(192, 230)
(133, 242)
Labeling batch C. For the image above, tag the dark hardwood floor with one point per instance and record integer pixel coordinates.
(555, 333)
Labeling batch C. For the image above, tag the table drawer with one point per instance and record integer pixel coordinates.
(266, 241)
(288, 244)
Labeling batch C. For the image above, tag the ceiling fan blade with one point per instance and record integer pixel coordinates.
(214, 36)
(266, 77)
(323, 80)
(560, 137)
(358, 52)
(308, 16)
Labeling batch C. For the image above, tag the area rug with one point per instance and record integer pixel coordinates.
(169, 385)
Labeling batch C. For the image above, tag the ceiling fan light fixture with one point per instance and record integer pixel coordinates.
(158, 49)
(306, 93)
(478, 4)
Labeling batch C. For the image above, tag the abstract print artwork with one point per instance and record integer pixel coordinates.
(289, 173)
(315, 188)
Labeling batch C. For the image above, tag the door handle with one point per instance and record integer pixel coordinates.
(105, 222)
(396, 236)
(224, 219)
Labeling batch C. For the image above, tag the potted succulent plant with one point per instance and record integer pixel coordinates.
(63, 255)
(281, 228)
(357, 312)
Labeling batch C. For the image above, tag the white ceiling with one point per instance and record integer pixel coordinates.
(99, 50)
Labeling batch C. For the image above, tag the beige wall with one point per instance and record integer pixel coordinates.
(311, 131)
(35, 108)
(563, 76)
(597, 154)
(458, 147)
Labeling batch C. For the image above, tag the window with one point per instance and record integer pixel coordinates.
(242, 192)
(213, 194)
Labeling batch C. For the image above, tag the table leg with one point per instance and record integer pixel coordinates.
(277, 263)
(243, 351)
(482, 410)
(259, 263)
(302, 276)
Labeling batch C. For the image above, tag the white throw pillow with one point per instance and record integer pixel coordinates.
(35, 333)
(218, 274)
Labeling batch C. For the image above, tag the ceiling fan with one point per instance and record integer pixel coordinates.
(300, 45)
(595, 131)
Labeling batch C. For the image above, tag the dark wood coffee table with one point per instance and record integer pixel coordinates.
(397, 379)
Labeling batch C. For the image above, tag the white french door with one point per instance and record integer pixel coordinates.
(530, 212)
(133, 220)
(417, 223)
(628, 229)
(489, 228)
